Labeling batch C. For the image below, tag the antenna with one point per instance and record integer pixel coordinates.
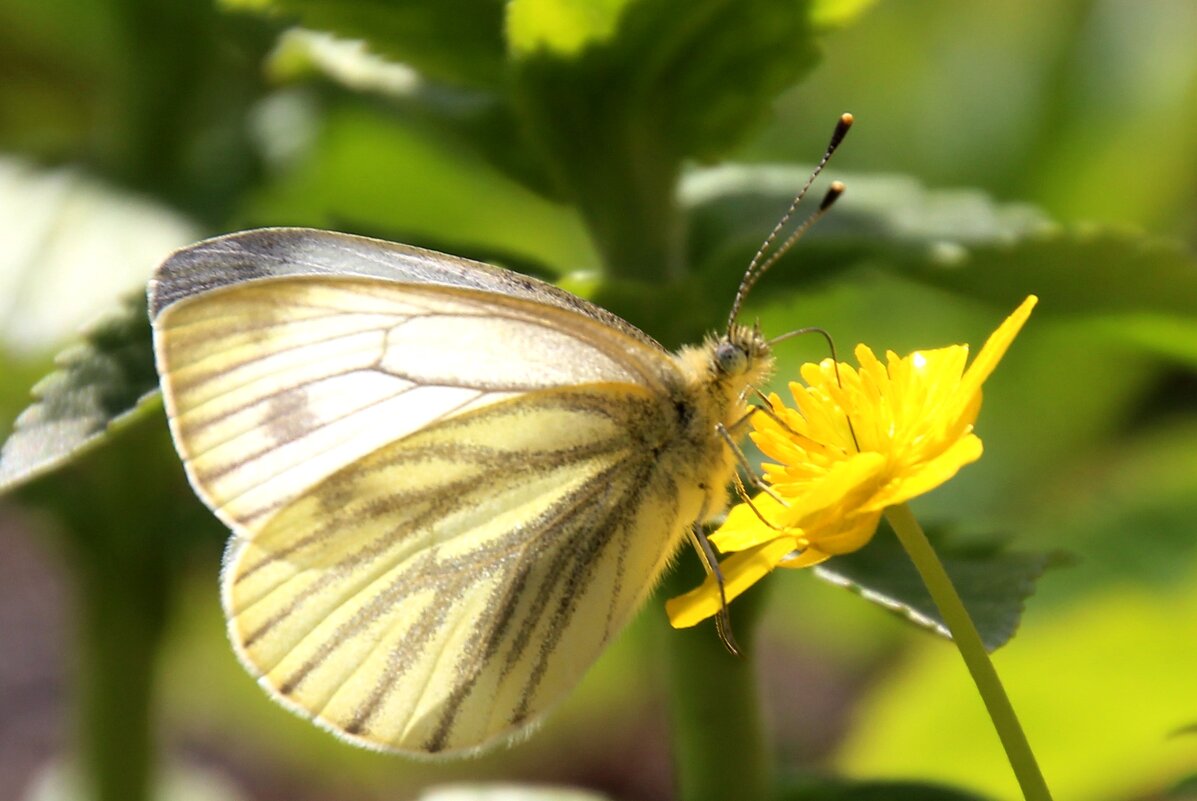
(760, 264)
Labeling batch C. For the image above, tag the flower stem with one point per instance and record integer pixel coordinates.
(968, 642)
(720, 747)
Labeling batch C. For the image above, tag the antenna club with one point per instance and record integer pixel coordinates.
(841, 130)
(833, 194)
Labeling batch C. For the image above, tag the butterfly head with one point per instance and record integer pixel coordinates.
(739, 359)
(740, 352)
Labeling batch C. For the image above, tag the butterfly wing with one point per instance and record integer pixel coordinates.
(275, 379)
(289, 252)
(445, 497)
(450, 587)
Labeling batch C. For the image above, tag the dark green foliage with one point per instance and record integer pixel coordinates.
(808, 788)
(993, 583)
(574, 139)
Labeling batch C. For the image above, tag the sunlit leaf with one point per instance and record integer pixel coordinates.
(675, 80)
(346, 61)
(686, 79)
(561, 26)
(838, 13)
(926, 721)
(414, 32)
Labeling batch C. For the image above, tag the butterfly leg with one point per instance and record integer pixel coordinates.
(710, 563)
(753, 478)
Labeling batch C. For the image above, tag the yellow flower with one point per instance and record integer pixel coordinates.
(858, 441)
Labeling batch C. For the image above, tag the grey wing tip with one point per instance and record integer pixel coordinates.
(221, 261)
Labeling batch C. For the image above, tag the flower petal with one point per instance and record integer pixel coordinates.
(744, 529)
(740, 572)
(995, 348)
(846, 535)
(846, 484)
(928, 475)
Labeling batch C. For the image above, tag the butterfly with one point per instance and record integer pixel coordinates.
(449, 485)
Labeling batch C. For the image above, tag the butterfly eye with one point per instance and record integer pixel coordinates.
(731, 358)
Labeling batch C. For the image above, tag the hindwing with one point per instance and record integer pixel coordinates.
(450, 587)
(445, 481)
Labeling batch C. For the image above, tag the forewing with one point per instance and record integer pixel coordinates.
(273, 384)
(446, 590)
(290, 252)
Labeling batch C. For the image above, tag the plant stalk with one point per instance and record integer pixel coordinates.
(972, 650)
(720, 746)
(121, 632)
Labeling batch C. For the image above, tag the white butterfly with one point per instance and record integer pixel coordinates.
(449, 485)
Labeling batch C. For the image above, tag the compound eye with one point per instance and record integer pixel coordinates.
(730, 358)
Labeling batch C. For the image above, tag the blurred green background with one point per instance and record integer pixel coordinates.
(1001, 149)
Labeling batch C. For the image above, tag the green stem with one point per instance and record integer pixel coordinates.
(632, 209)
(124, 518)
(968, 641)
(720, 747)
(121, 620)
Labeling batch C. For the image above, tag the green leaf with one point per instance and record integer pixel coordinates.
(456, 41)
(697, 76)
(126, 521)
(731, 208)
(101, 383)
(448, 196)
(925, 720)
(992, 584)
(674, 80)
(1140, 488)
(1183, 790)
(893, 221)
(563, 27)
(475, 117)
(830, 14)
(1139, 288)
